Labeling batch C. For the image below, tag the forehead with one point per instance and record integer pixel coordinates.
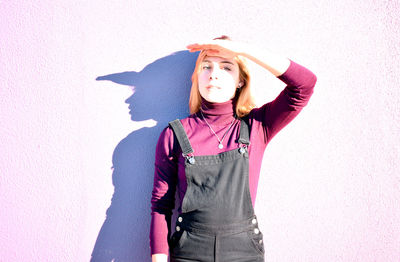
(220, 59)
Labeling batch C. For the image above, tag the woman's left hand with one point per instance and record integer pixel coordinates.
(218, 47)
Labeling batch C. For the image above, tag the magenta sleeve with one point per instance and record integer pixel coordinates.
(163, 194)
(276, 114)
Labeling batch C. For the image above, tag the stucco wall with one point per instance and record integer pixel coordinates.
(76, 164)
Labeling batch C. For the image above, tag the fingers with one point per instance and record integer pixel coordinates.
(212, 52)
(209, 51)
(205, 46)
(193, 47)
(200, 46)
(217, 47)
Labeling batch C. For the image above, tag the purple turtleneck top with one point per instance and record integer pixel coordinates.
(265, 122)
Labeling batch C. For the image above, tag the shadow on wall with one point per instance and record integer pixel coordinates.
(161, 92)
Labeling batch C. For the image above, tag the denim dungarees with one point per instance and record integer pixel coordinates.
(217, 222)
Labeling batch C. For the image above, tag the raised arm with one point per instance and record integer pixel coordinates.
(274, 63)
(283, 109)
(275, 115)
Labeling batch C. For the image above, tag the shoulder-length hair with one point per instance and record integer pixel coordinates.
(245, 102)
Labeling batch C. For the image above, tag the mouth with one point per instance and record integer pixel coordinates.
(212, 87)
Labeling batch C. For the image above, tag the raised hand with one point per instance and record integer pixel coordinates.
(219, 47)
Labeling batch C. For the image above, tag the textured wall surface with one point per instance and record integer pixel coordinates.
(87, 86)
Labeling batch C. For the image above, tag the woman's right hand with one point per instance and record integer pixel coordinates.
(159, 258)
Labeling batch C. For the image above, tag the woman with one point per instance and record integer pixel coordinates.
(213, 157)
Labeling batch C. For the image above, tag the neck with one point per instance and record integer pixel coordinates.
(219, 114)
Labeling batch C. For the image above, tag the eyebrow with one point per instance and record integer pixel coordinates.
(225, 62)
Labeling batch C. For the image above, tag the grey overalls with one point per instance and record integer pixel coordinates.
(217, 223)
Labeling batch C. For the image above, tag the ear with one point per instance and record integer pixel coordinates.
(240, 84)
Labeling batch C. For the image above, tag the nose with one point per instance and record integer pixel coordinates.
(214, 74)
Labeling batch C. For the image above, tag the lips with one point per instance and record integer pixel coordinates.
(212, 86)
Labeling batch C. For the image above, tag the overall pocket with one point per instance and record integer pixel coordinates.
(257, 241)
(177, 239)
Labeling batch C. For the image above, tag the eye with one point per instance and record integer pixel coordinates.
(206, 67)
(227, 68)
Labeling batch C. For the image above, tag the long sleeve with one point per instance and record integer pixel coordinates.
(276, 114)
(163, 194)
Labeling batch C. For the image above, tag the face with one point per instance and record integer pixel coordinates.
(218, 78)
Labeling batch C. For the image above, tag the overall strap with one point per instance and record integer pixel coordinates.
(244, 136)
(183, 140)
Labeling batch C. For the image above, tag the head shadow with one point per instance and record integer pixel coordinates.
(160, 92)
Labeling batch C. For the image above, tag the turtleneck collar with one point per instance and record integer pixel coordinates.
(219, 114)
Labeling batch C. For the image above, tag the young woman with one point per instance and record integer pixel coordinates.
(213, 157)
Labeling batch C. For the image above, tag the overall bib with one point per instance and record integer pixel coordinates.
(217, 222)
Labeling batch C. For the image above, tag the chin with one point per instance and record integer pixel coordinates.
(215, 97)
(217, 100)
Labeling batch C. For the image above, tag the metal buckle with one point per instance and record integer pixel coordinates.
(242, 148)
(189, 158)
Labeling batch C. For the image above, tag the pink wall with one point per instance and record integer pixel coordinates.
(330, 185)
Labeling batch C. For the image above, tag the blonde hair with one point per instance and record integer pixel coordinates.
(245, 102)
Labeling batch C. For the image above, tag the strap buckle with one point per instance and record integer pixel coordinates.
(243, 148)
(189, 158)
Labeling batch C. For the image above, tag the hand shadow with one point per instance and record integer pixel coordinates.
(161, 92)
